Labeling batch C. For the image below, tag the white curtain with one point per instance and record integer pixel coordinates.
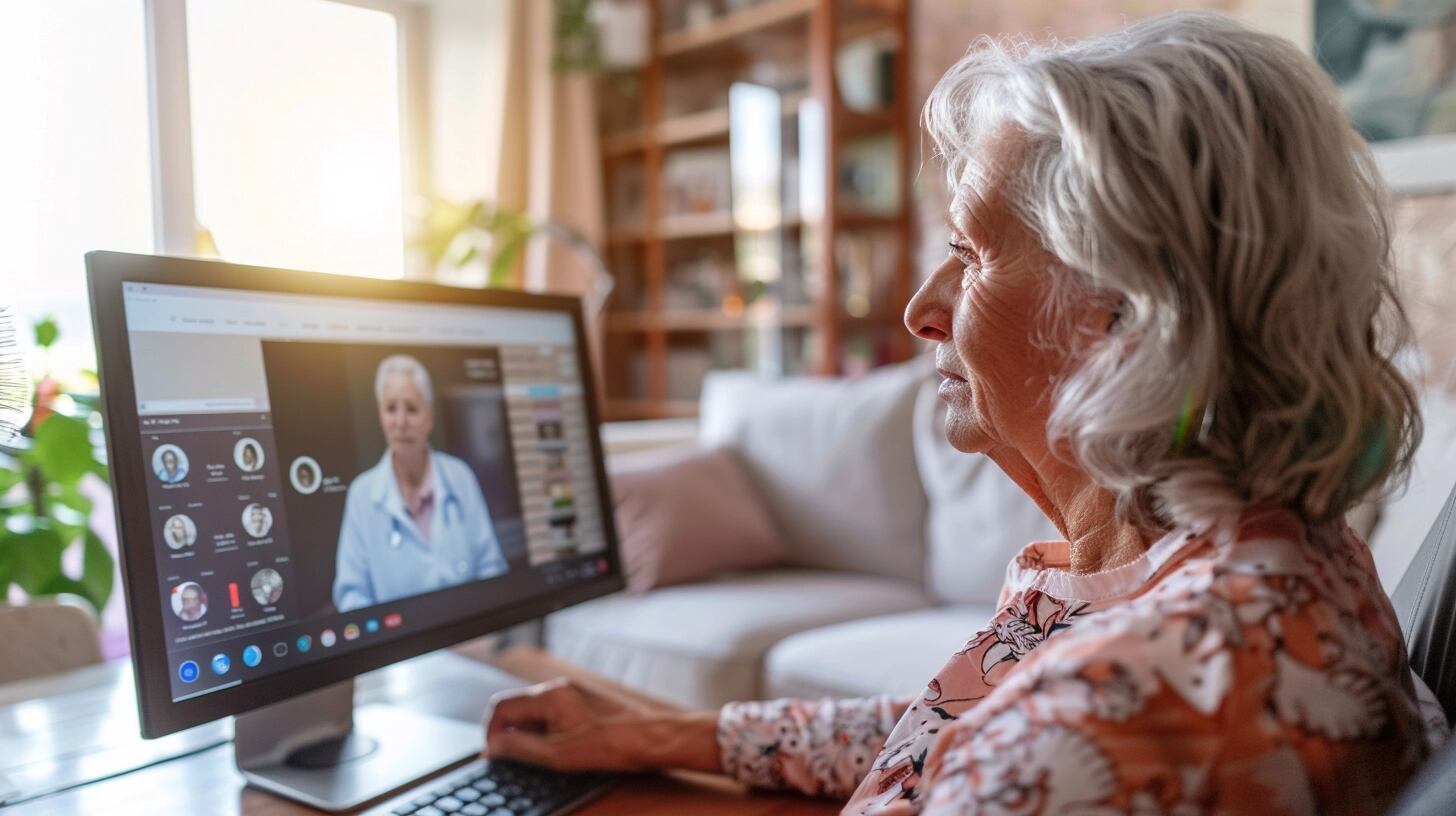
(549, 162)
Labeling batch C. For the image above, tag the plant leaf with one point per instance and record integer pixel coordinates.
(33, 556)
(46, 331)
(467, 256)
(63, 448)
(503, 265)
(9, 477)
(69, 495)
(96, 571)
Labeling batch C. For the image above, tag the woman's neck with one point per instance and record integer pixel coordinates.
(1084, 512)
(410, 471)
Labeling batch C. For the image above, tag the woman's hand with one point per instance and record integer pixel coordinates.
(566, 726)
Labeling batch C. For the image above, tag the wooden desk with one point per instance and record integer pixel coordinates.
(84, 723)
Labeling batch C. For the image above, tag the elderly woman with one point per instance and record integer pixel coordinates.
(1163, 316)
(417, 521)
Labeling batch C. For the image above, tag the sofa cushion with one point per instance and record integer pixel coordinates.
(889, 654)
(833, 461)
(686, 516)
(703, 644)
(1407, 516)
(977, 519)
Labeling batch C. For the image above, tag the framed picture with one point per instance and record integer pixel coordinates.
(1394, 62)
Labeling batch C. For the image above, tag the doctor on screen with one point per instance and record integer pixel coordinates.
(417, 521)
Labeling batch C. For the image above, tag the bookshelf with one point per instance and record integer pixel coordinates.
(738, 96)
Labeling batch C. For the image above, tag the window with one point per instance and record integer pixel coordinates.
(75, 167)
(296, 133)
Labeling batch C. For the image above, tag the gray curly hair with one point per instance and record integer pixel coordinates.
(410, 367)
(1202, 175)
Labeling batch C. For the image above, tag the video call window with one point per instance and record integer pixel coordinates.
(427, 497)
(303, 478)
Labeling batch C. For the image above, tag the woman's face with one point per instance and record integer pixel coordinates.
(404, 415)
(986, 307)
(169, 461)
(250, 456)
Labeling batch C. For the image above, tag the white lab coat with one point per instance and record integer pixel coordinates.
(382, 555)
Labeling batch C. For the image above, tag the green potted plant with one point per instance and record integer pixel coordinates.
(457, 234)
(45, 513)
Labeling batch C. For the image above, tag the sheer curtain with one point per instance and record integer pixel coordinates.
(549, 162)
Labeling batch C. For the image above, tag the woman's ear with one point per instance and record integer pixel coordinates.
(1114, 319)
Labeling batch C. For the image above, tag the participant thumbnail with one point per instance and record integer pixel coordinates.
(305, 474)
(179, 531)
(257, 520)
(189, 601)
(267, 586)
(248, 455)
(169, 462)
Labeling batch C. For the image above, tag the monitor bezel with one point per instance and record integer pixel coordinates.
(107, 272)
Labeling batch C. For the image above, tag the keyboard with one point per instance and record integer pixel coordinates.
(497, 788)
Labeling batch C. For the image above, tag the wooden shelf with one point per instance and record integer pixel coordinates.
(864, 123)
(626, 234)
(693, 128)
(867, 27)
(703, 225)
(625, 409)
(868, 220)
(693, 320)
(645, 364)
(676, 227)
(685, 227)
(726, 29)
(616, 145)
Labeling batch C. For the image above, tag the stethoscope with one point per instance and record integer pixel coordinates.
(396, 533)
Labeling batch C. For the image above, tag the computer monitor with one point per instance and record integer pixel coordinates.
(318, 475)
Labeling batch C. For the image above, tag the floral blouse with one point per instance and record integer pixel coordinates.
(1243, 667)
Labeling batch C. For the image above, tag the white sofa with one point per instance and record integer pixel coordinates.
(896, 546)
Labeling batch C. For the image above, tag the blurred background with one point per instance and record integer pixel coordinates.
(733, 184)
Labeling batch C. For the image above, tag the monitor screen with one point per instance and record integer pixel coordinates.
(326, 474)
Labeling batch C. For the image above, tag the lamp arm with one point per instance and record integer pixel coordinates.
(602, 280)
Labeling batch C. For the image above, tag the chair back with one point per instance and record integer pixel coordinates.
(46, 637)
(1425, 603)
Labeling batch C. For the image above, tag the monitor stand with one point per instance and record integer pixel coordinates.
(318, 749)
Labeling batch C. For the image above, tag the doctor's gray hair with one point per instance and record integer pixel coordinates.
(403, 364)
(1202, 176)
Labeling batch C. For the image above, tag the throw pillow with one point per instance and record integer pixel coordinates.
(833, 460)
(683, 517)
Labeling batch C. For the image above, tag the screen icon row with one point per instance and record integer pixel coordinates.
(221, 664)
